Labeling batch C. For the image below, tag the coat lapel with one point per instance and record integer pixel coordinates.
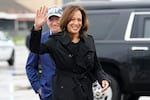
(65, 39)
(85, 46)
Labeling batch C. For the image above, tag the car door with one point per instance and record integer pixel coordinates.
(138, 39)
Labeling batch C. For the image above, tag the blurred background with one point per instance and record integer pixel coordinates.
(17, 16)
(16, 20)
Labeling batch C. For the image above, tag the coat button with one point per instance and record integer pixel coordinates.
(70, 55)
(88, 56)
(62, 87)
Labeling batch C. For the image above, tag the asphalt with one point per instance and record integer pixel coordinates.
(14, 84)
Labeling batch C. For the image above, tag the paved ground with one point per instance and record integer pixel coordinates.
(14, 84)
(13, 81)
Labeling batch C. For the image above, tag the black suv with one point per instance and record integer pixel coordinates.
(122, 37)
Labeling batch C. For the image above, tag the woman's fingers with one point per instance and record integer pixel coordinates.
(105, 85)
(40, 17)
(42, 11)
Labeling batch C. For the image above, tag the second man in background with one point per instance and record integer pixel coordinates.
(43, 84)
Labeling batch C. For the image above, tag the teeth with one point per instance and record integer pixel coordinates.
(74, 27)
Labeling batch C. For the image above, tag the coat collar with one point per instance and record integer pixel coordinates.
(87, 40)
(86, 45)
(66, 39)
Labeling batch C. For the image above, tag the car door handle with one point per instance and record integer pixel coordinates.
(139, 48)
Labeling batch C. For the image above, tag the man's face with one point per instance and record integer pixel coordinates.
(53, 24)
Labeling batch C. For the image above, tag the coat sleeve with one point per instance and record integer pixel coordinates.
(97, 71)
(35, 43)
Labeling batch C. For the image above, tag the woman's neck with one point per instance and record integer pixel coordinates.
(75, 38)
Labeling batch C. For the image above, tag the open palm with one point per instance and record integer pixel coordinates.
(41, 17)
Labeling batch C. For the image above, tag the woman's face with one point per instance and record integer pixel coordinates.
(75, 23)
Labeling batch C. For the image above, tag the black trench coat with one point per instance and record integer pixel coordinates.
(74, 73)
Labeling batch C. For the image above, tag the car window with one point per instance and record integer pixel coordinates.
(138, 26)
(100, 23)
(141, 26)
(147, 28)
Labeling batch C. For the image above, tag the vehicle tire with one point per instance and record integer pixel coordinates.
(12, 59)
(112, 93)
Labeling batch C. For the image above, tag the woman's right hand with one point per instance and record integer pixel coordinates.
(40, 17)
(105, 85)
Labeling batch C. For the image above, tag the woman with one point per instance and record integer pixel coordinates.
(74, 53)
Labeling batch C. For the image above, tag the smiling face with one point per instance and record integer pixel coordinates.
(53, 24)
(74, 20)
(75, 23)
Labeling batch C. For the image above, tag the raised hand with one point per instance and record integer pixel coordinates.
(40, 17)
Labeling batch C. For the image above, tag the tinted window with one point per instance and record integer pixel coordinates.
(141, 27)
(147, 28)
(100, 24)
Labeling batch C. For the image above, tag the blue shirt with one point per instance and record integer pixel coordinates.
(48, 69)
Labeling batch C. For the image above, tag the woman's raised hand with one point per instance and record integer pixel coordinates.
(40, 17)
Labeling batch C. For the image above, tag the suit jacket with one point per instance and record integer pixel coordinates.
(74, 73)
(47, 64)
